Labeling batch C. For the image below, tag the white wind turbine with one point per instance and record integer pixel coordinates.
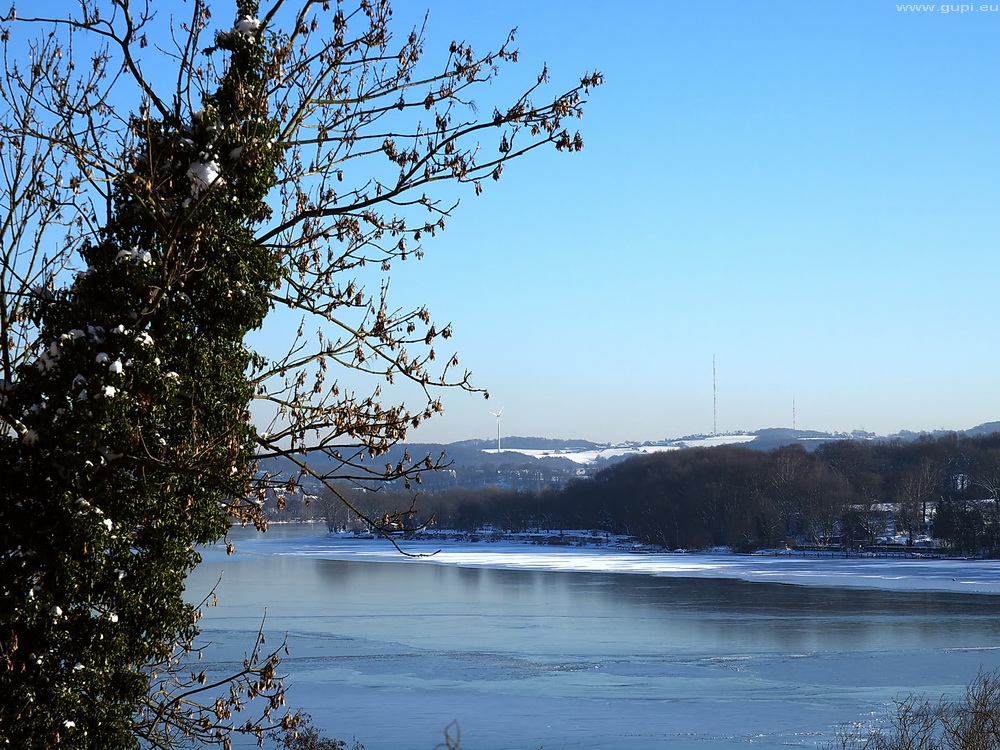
(497, 415)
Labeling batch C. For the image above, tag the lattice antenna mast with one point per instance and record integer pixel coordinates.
(715, 402)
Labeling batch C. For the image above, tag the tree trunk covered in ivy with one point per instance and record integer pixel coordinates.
(134, 432)
(279, 168)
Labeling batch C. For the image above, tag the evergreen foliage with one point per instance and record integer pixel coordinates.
(134, 427)
(127, 439)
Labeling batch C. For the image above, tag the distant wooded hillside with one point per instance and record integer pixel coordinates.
(846, 493)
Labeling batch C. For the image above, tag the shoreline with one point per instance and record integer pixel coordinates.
(918, 574)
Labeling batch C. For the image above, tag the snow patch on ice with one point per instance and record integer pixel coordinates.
(921, 574)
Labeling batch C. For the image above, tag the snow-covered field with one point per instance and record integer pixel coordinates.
(588, 457)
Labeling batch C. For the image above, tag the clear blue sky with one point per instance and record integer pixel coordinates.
(807, 191)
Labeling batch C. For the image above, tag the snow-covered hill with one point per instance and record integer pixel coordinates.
(591, 456)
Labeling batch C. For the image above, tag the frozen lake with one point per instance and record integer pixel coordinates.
(529, 647)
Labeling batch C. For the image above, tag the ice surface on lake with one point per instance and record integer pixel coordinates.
(528, 646)
(898, 574)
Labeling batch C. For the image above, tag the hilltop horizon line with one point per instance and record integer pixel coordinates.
(787, 432)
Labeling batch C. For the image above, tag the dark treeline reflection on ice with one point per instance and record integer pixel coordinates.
(391, 651)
